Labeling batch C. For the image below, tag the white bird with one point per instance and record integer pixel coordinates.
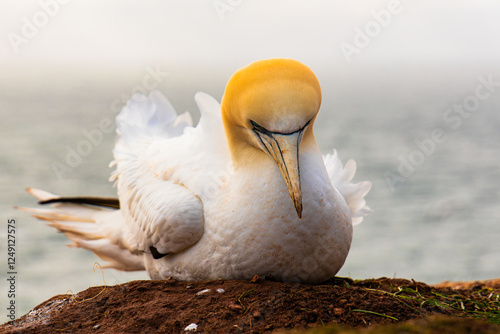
(195, 204)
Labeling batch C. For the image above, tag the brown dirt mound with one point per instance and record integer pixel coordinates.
(227, 306)
(492, 284)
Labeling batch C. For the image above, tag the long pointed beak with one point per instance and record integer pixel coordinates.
(284, 149)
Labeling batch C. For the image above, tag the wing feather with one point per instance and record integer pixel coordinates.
(353, 193)
(159, 212)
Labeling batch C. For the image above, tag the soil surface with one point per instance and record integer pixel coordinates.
(340, 305)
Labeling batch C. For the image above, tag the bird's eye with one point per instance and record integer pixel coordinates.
(257, 127)
(261, 129)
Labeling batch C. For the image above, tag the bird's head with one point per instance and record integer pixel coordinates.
(268, 111)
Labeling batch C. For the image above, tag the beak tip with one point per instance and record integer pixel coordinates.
(299, 211)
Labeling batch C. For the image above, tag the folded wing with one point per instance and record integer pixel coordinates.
(161, 214)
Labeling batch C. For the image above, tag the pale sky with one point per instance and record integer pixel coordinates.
(191, 30)
(50, 44)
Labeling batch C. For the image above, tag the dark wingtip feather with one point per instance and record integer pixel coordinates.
(106, 202)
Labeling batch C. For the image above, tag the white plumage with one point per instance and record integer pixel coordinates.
(184, 200)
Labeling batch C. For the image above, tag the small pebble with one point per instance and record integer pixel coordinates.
(202, 292)
(221, 290)
(256, 279)
(257, 314)
(191, 327)
(338, 311)
(235, 307)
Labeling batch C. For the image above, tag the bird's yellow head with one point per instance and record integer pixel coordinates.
(268, 110)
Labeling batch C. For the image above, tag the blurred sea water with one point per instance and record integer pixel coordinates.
(438, 221)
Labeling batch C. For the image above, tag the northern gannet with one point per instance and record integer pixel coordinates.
(195, 204)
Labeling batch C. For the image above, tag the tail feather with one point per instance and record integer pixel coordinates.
(96, 229)
(115, 257)
(77, 230)
(53, 214)
(41, 194)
